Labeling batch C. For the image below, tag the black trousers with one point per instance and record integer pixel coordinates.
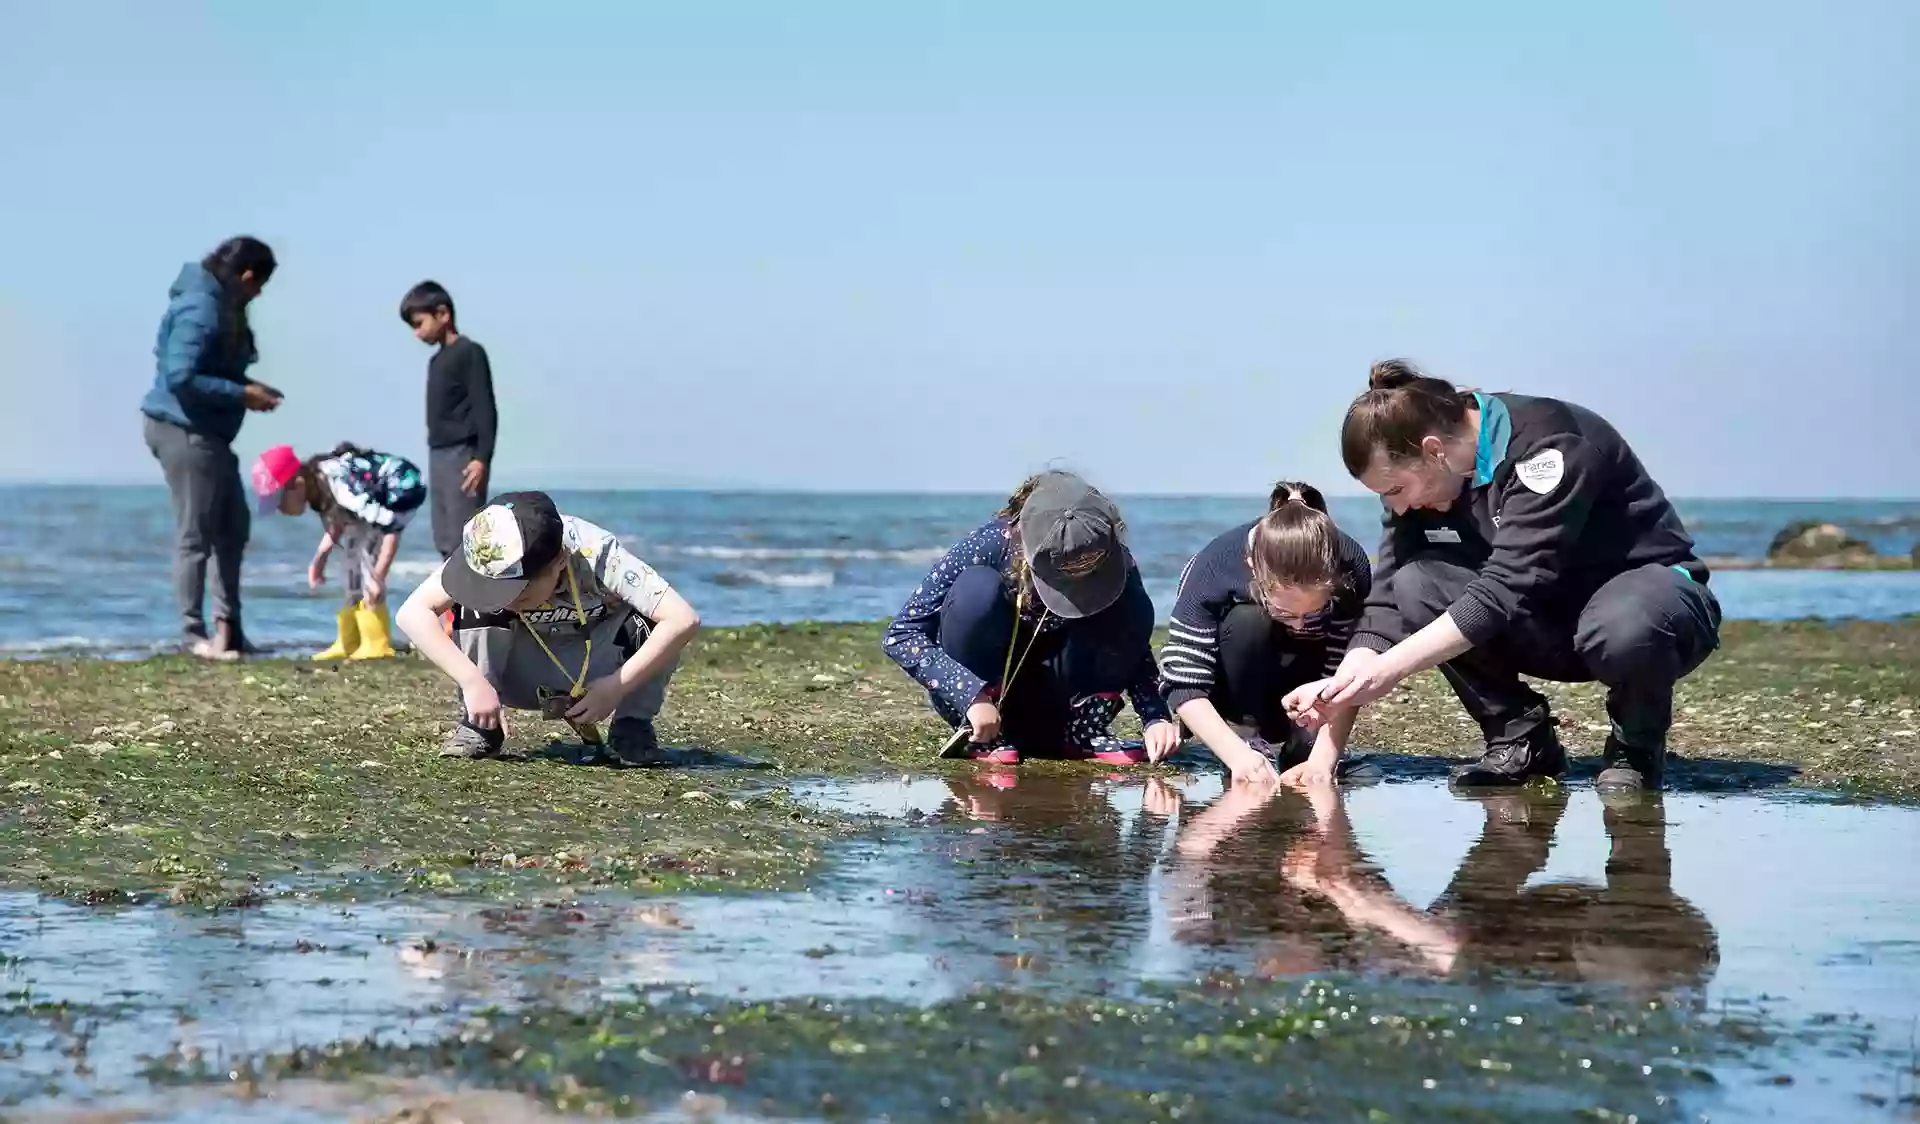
(1093, 655)
(1639, 633)
(1260, 662)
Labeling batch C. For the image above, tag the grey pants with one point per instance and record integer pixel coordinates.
(358, 550)
(211, 516)
(451, 506)
(1639, 634)
(513, 663)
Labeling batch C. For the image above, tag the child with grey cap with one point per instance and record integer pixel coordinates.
(551, 614)
(1029, 630)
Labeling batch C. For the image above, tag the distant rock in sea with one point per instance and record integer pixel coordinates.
(1809, 544)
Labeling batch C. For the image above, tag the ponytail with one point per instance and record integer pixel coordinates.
(1295, 543)
(1291, 491)
(1401, 407)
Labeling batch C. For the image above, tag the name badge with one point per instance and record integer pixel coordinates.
(1443, 534)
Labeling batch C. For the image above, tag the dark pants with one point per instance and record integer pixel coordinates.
(1640, 633)
(1094, 655)
(211, 517)
(1633, 930)
(452, 506)
(1260, 661)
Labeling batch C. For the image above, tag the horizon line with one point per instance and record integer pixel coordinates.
(768, 490)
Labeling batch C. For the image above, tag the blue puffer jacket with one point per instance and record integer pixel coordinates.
(200, 369)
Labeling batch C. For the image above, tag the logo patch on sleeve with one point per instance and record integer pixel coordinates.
(1541, 472)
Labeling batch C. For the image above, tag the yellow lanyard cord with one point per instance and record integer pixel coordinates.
(580, 682)
(1011, 669)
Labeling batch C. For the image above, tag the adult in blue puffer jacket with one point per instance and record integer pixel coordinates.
(201, 394)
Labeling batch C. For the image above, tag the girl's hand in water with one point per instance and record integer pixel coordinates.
(1162, 739)
(483, 705)
(1161, 799)
(984, 718)
(1316, 770)
(1251, 767)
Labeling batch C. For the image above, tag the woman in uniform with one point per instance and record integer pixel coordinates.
(1523, 537)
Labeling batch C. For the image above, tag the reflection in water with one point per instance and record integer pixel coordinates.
(1323, 904)
(1061, 886)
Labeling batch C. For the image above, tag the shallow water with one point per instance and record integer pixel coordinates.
(766, 557)
(1775, 941)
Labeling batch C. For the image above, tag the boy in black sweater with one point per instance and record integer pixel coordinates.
(462, 423)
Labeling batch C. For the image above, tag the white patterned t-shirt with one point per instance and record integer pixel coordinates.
(608, 576)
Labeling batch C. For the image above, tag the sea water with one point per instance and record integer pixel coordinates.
(84, 570)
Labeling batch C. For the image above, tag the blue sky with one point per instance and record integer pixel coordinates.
(937, 245)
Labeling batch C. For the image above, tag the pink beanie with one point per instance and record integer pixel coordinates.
(275, 469)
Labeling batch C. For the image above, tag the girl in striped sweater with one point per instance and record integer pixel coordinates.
(1264, 608)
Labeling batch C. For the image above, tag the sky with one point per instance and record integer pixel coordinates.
(938, 245)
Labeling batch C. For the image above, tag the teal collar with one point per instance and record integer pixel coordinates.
(1496, 431)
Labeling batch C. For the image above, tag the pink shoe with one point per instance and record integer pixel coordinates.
(1120, 755)
(991, 754)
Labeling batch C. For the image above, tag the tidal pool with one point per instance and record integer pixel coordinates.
(1049, 945)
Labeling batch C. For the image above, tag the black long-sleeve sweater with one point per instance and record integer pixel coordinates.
(460, 406)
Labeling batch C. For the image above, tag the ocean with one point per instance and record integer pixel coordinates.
(83, 569)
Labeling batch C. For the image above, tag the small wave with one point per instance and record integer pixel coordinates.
(65, 645)
(806, 579)
(920, 555)
(126, 647)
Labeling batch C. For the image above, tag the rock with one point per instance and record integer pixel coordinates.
(1818, 545)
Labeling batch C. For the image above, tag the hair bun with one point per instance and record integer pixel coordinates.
(1391, 374)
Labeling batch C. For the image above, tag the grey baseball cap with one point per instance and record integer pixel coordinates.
(1074, 540)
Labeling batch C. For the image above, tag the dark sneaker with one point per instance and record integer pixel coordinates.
(472, 742)
(632, 741)
(1516, 759)
(1630, 769)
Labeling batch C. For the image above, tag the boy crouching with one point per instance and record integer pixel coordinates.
(551, 614)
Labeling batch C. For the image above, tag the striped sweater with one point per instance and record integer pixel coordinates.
(1219, 578)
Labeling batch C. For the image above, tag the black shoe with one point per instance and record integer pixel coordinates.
(633, 742)
(1517, 758)
(1631, 769)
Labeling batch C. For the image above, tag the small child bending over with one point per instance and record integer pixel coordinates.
(364, 500)
(551, 613)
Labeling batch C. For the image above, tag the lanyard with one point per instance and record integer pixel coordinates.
(580, 682)
(1011, 669)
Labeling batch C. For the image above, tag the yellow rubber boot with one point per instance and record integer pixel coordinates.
(375, 642)
(349, 638)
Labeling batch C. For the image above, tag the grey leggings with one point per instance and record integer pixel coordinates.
(211, 516)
